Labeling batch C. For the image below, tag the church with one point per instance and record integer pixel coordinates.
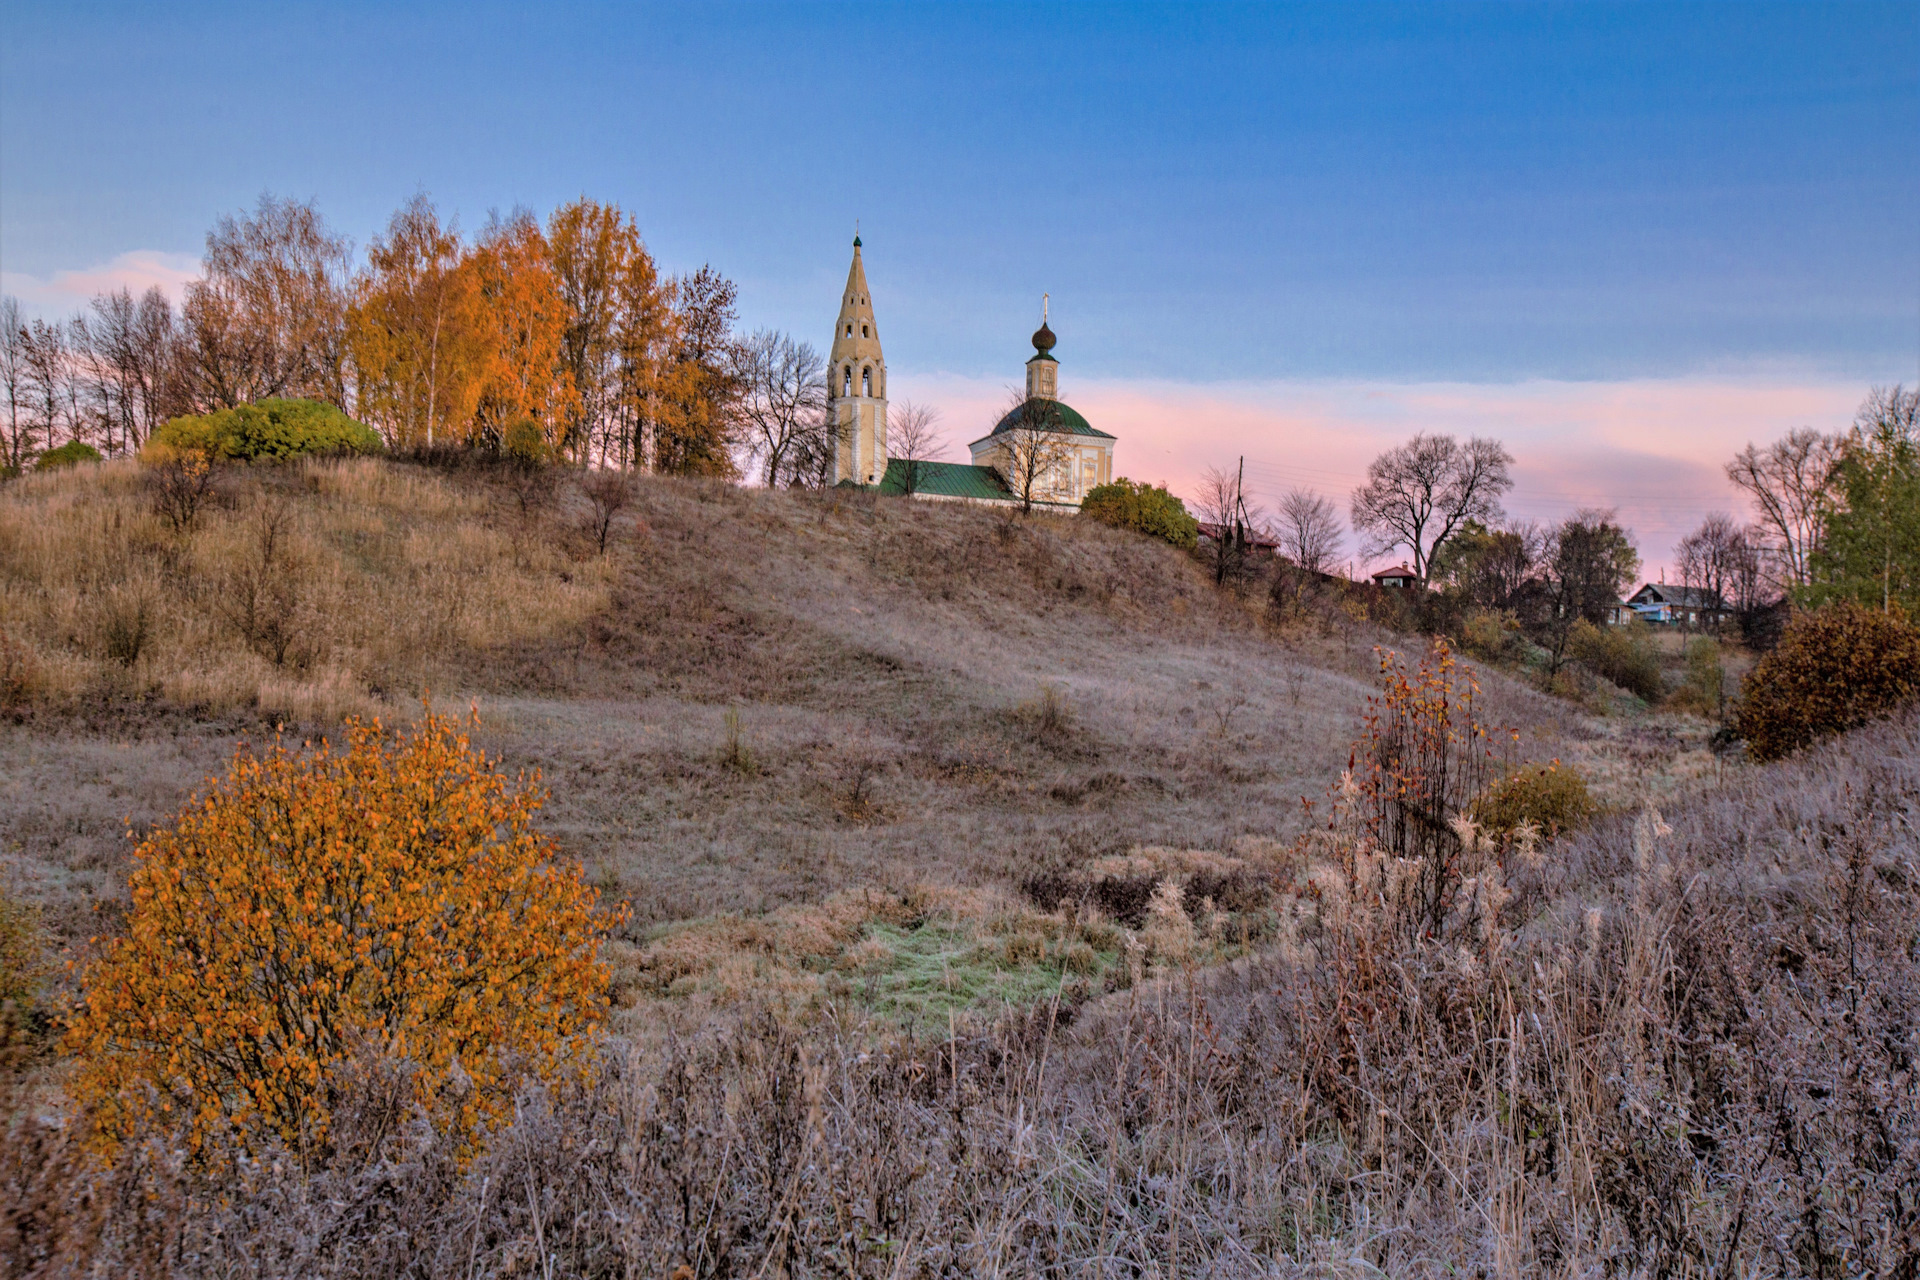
(1041, 452)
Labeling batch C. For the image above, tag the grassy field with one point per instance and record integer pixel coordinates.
(753, 700)
(979, 926)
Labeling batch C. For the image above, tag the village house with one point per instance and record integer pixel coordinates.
(1400, 577)
(1663, 604)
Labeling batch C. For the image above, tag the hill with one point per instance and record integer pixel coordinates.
(750, 701)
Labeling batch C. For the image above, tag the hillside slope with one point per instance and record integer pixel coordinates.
(752, 697)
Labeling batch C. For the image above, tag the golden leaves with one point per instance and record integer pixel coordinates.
(390, 897)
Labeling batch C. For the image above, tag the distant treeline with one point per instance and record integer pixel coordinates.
(434, 339)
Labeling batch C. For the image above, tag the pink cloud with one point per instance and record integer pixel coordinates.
(1653, 449)
(64, 292)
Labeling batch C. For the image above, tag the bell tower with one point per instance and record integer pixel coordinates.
(857, 385)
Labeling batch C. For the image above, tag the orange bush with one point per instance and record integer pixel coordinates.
(390, 898)
(1835, 669)
(1423, 756)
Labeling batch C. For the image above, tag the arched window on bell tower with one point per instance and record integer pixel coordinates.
(866, 382)
(846, 381)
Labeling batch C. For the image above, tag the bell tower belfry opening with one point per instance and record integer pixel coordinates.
(857, 385)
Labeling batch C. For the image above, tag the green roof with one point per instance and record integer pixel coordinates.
(1069, 422)
(945, 480)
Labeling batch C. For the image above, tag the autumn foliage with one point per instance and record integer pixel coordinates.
(1424, 753)
(1836, 668)
(388, 899)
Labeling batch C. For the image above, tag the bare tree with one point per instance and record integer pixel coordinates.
(1790, 484)
(269, 317)
(1228, 521)
(1585, 564)
(1035, 450)
(13, 380)
(913, 436)
(812, 457)
(609, 492)
(44, 354)
(1309, 528)
(1419, 494)
(1719, 561)
(782, 397)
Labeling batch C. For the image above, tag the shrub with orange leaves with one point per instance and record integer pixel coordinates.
(389, 899)
(1424, 754)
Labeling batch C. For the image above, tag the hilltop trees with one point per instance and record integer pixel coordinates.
(1721, 559)
(695, 391)
(1585, 564)
(436, 341)
(1309, 531)
(1788, 483)
(1839, 515)
(782, 396)
(1421, 493)
(523, 319)
(1491, 568)
(268, 318)
(416, 331)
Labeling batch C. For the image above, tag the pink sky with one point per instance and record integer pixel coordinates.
(1651, 449)
(65, 292)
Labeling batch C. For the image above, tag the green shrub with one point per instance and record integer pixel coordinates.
(1625, 655)
(1835, 669)
(1492, 635)
(525, 442)
(272, 429)
(1553, 799)
(22, 967)
(21, 961)
(70, 454)
(1144, 508)
(1705, 687)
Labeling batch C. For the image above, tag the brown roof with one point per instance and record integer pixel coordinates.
(1255, 537)
(1401, 570)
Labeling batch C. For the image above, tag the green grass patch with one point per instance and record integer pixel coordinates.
(937, 969)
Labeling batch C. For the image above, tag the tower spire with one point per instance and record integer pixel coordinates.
(857, 382)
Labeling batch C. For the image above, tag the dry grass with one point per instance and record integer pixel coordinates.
(304, 593)
(1669, 1047)
(992, 803)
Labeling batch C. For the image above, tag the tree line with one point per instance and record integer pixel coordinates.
(1835, 516)
(565, 331)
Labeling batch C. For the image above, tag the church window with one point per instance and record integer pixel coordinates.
(849, 328)
(863, 331)
(866, 382)
(846, 383)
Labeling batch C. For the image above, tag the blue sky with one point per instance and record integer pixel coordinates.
(1220, 196)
